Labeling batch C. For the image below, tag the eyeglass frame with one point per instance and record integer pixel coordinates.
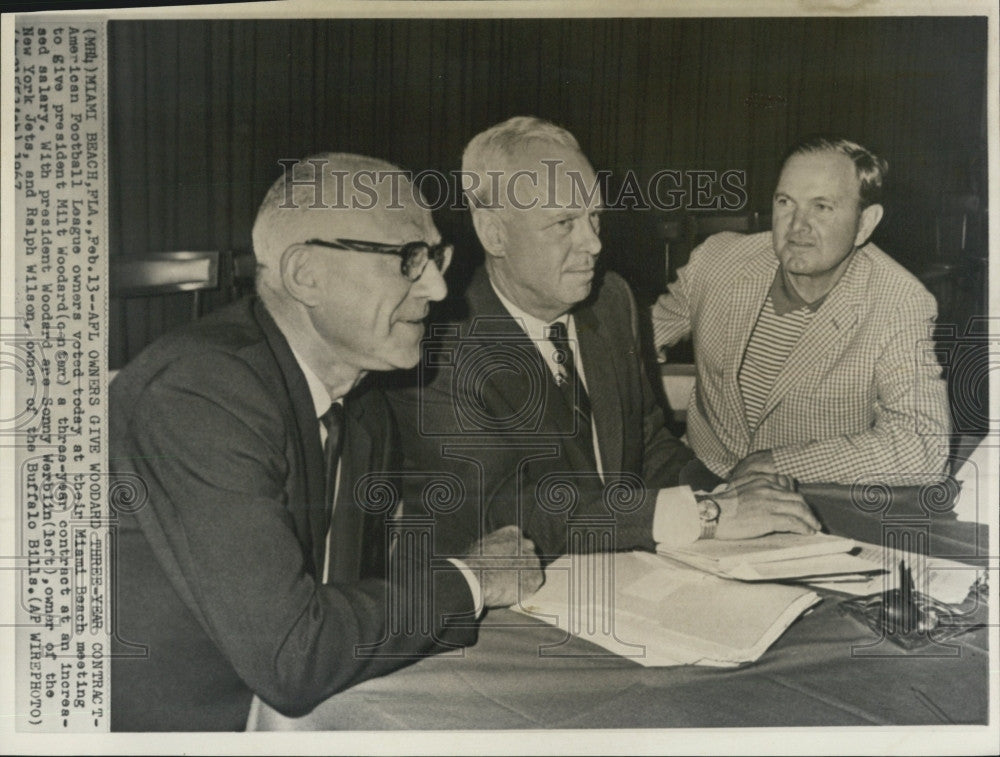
(408, 253)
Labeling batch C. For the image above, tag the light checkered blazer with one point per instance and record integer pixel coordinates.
(860, 397)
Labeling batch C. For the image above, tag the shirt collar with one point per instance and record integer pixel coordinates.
(785, 299)
(535, 328)
(320, 397)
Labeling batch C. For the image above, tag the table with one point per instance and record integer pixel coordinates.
(826, 670)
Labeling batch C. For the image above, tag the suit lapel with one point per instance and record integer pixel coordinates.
(307, 438)
(529, 376)
(605, 385)
(748, 296)
(824, 338)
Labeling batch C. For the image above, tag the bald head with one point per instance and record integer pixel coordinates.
(329, 196)
(347, 307)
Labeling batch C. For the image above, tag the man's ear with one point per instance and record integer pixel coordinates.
(299, 274)
(491, 231)
(870, 217)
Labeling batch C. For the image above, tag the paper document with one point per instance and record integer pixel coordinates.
(658, 612)
(945, 580)
(773, 557)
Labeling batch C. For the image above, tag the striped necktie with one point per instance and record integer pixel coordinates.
(571, 387)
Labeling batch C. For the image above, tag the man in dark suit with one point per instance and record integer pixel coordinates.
(234, 575)
(535, 398)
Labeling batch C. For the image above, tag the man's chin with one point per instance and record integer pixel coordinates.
(582, 290)
(404, 360)
(795, 262)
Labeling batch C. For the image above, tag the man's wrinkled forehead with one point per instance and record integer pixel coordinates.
(825, 168)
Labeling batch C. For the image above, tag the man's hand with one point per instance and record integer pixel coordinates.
(506, 565)
(760, 504)
(761, 461)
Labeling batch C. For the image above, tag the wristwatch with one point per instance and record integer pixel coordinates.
(708, 513)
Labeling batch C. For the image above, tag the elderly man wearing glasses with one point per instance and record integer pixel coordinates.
(257, 560)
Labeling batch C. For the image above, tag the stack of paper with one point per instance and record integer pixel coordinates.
(774, 557)
(945, 580)
(658, 612)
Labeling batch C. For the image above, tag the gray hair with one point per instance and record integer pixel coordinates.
(870, 169)
(500, 144)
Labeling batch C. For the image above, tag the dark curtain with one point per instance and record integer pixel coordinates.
(202, 111)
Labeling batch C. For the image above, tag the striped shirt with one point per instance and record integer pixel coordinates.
(772, 341)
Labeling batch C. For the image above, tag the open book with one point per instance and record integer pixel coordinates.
(659, 612)
(775, 557)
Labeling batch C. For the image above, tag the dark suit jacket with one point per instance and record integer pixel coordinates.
(485, 419)
(216, 594)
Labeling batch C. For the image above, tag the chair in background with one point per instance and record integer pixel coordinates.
(152, 288)
(675, 235)
(958, 274)
(165, 273)
(680, 236)
(958, 277)
(706, 225)
(237, 274)
(157, 275)
(955, 225)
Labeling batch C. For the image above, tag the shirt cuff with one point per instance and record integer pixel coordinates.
(675, 518)
(474, 587)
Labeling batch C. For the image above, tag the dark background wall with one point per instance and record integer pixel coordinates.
(202, 111)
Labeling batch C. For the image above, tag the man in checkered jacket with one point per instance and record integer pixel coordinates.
(808, 340)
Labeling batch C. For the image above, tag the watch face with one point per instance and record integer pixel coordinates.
(709, 511)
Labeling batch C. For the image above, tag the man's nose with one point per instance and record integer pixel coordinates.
(800, 220)
(588, 239)
(431, 283)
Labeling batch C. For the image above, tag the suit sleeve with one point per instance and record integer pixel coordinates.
(503, 480)
(210, 445)
(909, 438)
(664, 456)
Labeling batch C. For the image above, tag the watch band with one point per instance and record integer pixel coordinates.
(708, 514)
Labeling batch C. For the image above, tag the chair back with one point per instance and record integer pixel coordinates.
(681, 234)
(163, 273)
(705, 226)
(954, 226)
(152, 293)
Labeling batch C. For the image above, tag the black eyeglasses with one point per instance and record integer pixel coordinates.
(415, 255)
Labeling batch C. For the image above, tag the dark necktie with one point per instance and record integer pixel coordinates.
(333, 421)
(344, 522)
(571, 387)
